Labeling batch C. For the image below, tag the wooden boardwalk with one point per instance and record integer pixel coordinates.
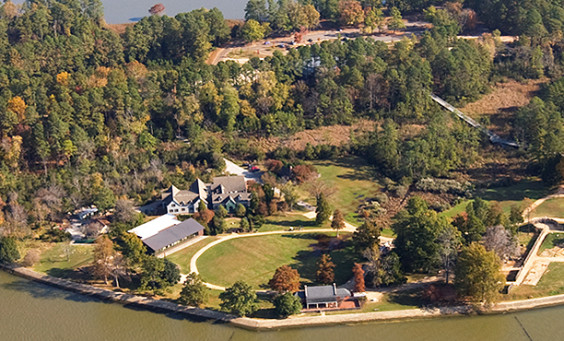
(494, 138)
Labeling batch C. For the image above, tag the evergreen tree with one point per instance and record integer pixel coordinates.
(323, 211)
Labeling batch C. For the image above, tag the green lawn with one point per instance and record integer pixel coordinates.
(254, 259)
(550, 208)
(506, 196)
(182, 257)
(551, 241)
(284, 221)
(551, 283)
(55, 261)
(353, 182)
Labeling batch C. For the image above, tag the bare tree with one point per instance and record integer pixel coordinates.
(449, 240)
(125, 211)
(501, 241)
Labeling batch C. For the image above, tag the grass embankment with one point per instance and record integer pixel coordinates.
(550, 208)
(254, 259)
(62, 259)
(551, 283)
(506, 196)
(182, 257)
(551, 241)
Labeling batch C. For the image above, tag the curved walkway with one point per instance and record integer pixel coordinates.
(194, 259)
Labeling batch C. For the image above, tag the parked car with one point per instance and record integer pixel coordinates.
(254, 169)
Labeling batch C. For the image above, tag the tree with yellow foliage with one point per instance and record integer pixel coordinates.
(17, 106)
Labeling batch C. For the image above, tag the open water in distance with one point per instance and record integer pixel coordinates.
(124, 11)
(33, 311)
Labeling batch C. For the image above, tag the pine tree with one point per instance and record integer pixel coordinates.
(323, 210)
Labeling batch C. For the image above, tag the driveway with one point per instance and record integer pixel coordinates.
(233, 169)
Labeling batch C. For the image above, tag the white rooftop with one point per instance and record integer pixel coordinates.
(155, 226)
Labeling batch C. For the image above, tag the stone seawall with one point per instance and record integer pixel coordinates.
(119, 297)
(264, 324)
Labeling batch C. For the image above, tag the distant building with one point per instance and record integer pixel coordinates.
(227, 191)
(323, 297)
(166, 231)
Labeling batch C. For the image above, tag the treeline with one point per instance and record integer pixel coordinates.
(537, 18)
(94, 117)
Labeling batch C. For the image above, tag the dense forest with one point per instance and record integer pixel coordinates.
(89, 116)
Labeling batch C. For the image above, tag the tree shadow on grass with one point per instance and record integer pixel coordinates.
(293, 223)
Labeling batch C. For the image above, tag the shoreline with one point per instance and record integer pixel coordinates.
(254, 324)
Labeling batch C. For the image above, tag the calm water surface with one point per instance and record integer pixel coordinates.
(122, 11)
(32, 311)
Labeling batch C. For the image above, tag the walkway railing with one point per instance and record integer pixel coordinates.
(494, 138)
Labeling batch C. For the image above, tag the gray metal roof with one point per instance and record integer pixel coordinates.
(325, 293)
(173, 234)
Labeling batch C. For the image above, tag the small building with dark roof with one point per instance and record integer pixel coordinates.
(323, 297)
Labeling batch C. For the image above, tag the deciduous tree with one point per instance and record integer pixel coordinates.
(239, 299)
(287, 304)
(358, 274)
(338, 222)
(194, 292)
(477, 274)
(325, 273)
(285, 279)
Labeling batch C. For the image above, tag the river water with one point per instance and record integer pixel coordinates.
(33, 311)
(123, 11)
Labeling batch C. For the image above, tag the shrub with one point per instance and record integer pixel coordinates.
(9, 252)
(31, 258)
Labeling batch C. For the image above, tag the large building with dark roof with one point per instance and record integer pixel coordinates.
(227, 191)
(166, 231)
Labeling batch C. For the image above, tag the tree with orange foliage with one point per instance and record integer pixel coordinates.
(325, 273)
(285, 279)
(351, 12)
(359, 285)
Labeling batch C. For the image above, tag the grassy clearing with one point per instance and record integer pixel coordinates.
(284, 221)
(254, 259)
(56, 262)
(353, 182)
(182, 257)
(517, 194)
(551, 283)
(551, 241)
(550, 208)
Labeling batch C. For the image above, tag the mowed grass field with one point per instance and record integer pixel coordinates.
(551, 283)
(56, 262)
(550, 208)
(255, 259)
(352, 181)
(182, 257)
(506, 196)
